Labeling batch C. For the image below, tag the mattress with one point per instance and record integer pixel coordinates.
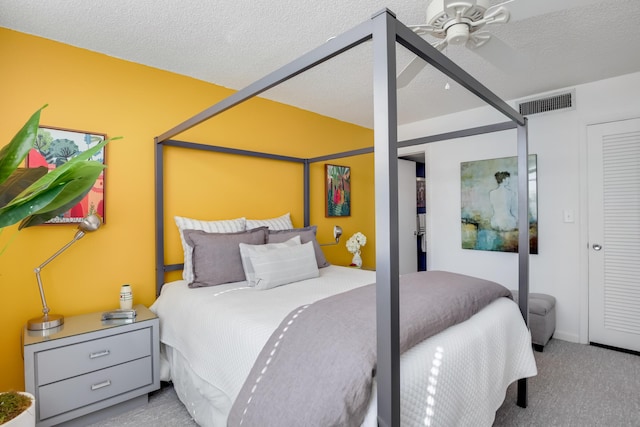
(211, 337)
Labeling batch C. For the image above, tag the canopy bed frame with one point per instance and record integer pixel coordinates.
(384, 30)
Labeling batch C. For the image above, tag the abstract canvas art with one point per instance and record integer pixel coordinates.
(337, 190)
(489, 201)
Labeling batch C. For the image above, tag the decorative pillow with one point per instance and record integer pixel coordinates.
(280, 223)
(223, 226)
(247, 251)
(284, 265)
(216, 256)
(307, 234)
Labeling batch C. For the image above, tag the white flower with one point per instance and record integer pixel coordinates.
(355, 242)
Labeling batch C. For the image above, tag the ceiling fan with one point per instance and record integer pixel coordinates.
(463, 22)
(455, 22)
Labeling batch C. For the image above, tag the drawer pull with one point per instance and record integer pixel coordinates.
(99, 354)
(101, 385)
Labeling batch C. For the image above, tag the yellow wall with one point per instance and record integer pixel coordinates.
(96, 93)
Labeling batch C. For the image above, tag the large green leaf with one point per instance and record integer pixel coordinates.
(37, 219)
(12, 155)
(50, 200)
(78, 180)
(53, 176)
(20, 180)
(14, 212)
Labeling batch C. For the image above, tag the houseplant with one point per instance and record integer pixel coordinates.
(17, 409)
(32, 196)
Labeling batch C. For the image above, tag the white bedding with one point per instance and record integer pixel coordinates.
(212, 336)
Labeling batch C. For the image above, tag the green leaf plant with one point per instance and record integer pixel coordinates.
(32, 196)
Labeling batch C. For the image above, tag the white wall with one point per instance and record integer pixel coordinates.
(559, 140)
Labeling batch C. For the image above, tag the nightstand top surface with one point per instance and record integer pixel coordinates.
(84, 323)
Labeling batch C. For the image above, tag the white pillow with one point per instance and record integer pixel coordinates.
(280, 223)
(247, 251)
(284, 265)
(222, 226)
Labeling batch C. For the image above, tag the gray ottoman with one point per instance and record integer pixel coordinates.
(542, 318)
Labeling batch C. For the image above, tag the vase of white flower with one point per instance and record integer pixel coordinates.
(356, 261)
(354, 244)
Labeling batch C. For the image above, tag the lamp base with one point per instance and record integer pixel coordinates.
(48, 321)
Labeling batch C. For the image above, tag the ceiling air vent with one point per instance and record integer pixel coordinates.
(560, 101)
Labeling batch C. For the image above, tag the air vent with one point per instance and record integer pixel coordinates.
(561, 101)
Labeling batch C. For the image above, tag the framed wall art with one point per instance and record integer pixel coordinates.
(337, 190)
(489, 202)
(54, 147)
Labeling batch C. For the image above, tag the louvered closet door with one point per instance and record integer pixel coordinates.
(614, 233)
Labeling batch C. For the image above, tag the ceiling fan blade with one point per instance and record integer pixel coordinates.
(524, 9)
(416, 65)
(502, 56)
(410, 72)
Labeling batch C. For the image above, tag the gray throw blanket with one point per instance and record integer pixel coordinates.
(318, 366)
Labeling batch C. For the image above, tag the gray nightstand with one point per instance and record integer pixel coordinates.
(89, 370)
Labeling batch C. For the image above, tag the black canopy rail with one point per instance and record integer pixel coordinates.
(384, 30)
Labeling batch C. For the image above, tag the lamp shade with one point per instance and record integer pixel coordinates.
(337, 232)
(90, 223)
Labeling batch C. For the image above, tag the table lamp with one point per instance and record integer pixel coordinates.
(47, 320)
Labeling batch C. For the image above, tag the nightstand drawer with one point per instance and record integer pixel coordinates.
(77, 359)
(67, 395)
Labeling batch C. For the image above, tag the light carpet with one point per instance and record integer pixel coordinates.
(576, 385)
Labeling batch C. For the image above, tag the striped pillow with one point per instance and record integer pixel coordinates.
(280, 223)
(248, 250)
(284, 265)
(222, 226)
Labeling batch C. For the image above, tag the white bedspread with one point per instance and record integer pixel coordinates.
(458, 377)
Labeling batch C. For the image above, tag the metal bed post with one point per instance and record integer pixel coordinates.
(386, 181)
(159, 201)
(306, 188)
(523, 240)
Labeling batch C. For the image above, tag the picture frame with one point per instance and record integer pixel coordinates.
(489, 211)
(337, 191)
(53, 147)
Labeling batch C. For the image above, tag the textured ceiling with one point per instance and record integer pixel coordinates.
(556, 43)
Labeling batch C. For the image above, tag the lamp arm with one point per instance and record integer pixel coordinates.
(337, 232)
(45, 308)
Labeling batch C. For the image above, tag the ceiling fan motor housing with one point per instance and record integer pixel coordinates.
(458, 34)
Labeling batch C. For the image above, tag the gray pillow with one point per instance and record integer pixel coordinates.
(307, 234)
(216, 256)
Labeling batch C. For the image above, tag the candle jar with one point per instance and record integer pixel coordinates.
(126, 297)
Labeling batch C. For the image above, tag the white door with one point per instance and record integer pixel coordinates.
(407, 239)
(614, 233)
